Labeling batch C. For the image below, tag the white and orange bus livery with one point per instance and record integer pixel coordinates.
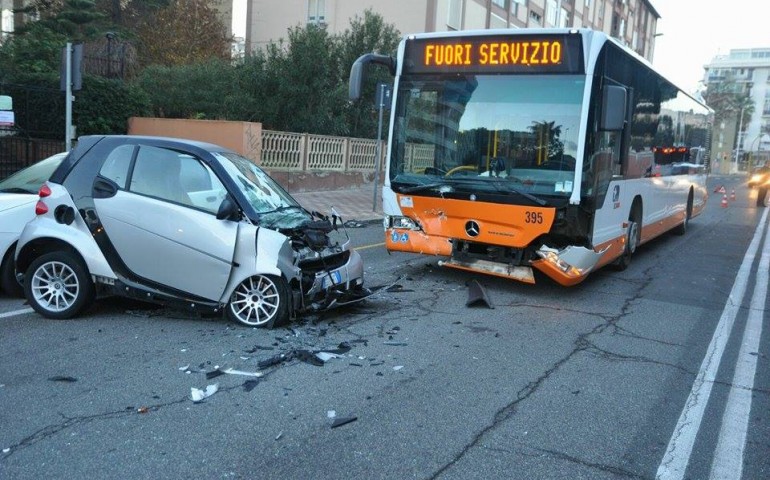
(554, 149)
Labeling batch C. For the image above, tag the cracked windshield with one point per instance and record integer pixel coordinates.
(515, 134)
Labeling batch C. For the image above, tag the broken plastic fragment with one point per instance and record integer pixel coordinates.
(232, 371)
(142, 410)
(62, 378)
(398, 367)
(214, 374)
(250, 385)
(198, 395)
(6, 450)
(338, 422)
(331, 414)
(182, 369)
(326, 356)
(477, 295)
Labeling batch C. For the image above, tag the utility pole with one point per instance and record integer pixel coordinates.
(738, 148)
(381, 89)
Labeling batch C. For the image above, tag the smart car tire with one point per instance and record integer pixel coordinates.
(8, 283)
(260, 301)
(57, 285)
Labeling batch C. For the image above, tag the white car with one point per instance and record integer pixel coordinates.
(180, 223)
(18, 196)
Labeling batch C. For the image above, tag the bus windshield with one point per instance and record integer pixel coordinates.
(508, 133)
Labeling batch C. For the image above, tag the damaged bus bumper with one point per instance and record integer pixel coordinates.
(568, 266)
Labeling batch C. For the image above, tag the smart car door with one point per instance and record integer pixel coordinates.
(161, 219)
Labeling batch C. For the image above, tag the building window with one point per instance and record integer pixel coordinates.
(316, 12)
(515, 5)
(499, 3)
(454, 14)
(535, 17)
(550, 12)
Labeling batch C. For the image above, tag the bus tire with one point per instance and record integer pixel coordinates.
(632, 237)
(681, 229)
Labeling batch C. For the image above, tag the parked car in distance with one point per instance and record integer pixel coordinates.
(18, 195)
(180, 223)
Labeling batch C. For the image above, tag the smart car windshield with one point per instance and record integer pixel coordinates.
(265, 195)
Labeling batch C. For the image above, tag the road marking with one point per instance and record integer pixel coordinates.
(363, 247)
(16, 312)
(677, 456)
(728, 457)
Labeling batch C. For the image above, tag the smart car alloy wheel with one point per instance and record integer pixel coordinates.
(259, 301)
(57, 285)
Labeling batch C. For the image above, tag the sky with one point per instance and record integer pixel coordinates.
(695, 31)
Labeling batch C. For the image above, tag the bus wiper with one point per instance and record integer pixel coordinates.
(505, 187)
(423, 187)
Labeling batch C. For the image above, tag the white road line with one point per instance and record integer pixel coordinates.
(728, 457)
(677, 456)
(16, 312)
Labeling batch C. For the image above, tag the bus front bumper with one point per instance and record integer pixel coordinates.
(568, 266)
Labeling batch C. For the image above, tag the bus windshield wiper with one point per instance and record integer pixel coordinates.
(422, 187)
(506, 187)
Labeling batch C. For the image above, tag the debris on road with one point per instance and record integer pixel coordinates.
(331, 414)
(338, 422)
(250, 385)
(198, 395)
(214, 374)
(280, 434)
(477, 295)
(232, 371)
(142, 410)
(63, 379)
(395, 344)
(398, 367)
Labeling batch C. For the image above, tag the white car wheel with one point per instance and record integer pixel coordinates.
(57, 285)
(259, 301)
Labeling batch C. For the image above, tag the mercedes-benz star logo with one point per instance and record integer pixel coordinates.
(472, 228)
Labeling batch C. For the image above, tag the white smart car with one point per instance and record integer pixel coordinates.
(181, 223)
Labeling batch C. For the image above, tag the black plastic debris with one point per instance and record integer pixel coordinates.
(395, 344)
(477, 295)
(250, 385)
(63, 379)
(214, 374)
(269, 362)
(307, 356)
(340, 421)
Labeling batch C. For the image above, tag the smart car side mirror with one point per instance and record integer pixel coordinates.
(228, 209)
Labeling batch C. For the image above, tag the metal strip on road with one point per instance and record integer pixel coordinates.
(677, 456)
(16, 312)
(728, 457)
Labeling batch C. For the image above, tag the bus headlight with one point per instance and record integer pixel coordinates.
(405, 223)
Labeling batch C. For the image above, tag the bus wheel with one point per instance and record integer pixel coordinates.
(632, 240)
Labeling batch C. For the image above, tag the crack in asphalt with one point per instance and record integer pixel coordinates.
(581, 344)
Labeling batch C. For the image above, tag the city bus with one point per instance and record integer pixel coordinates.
(511, 151)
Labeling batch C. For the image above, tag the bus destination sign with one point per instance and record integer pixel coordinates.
(495, 54)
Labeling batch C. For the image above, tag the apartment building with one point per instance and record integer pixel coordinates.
(737, 138)
(633, 22)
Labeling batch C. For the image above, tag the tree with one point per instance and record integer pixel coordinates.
(186, 31)
(365, 35)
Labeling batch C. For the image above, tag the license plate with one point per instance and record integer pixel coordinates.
(331, 279)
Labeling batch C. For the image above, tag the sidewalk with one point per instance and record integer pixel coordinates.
(350, 203)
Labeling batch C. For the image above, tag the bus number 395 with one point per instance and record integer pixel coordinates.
(534, 217)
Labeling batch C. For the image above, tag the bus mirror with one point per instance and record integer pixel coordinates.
(356, 81)
(613, 108)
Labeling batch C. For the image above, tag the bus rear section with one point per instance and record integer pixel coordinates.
(513, 151)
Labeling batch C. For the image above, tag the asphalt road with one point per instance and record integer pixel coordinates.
(629, 375)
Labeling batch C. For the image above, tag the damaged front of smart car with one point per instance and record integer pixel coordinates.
(313, 264)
